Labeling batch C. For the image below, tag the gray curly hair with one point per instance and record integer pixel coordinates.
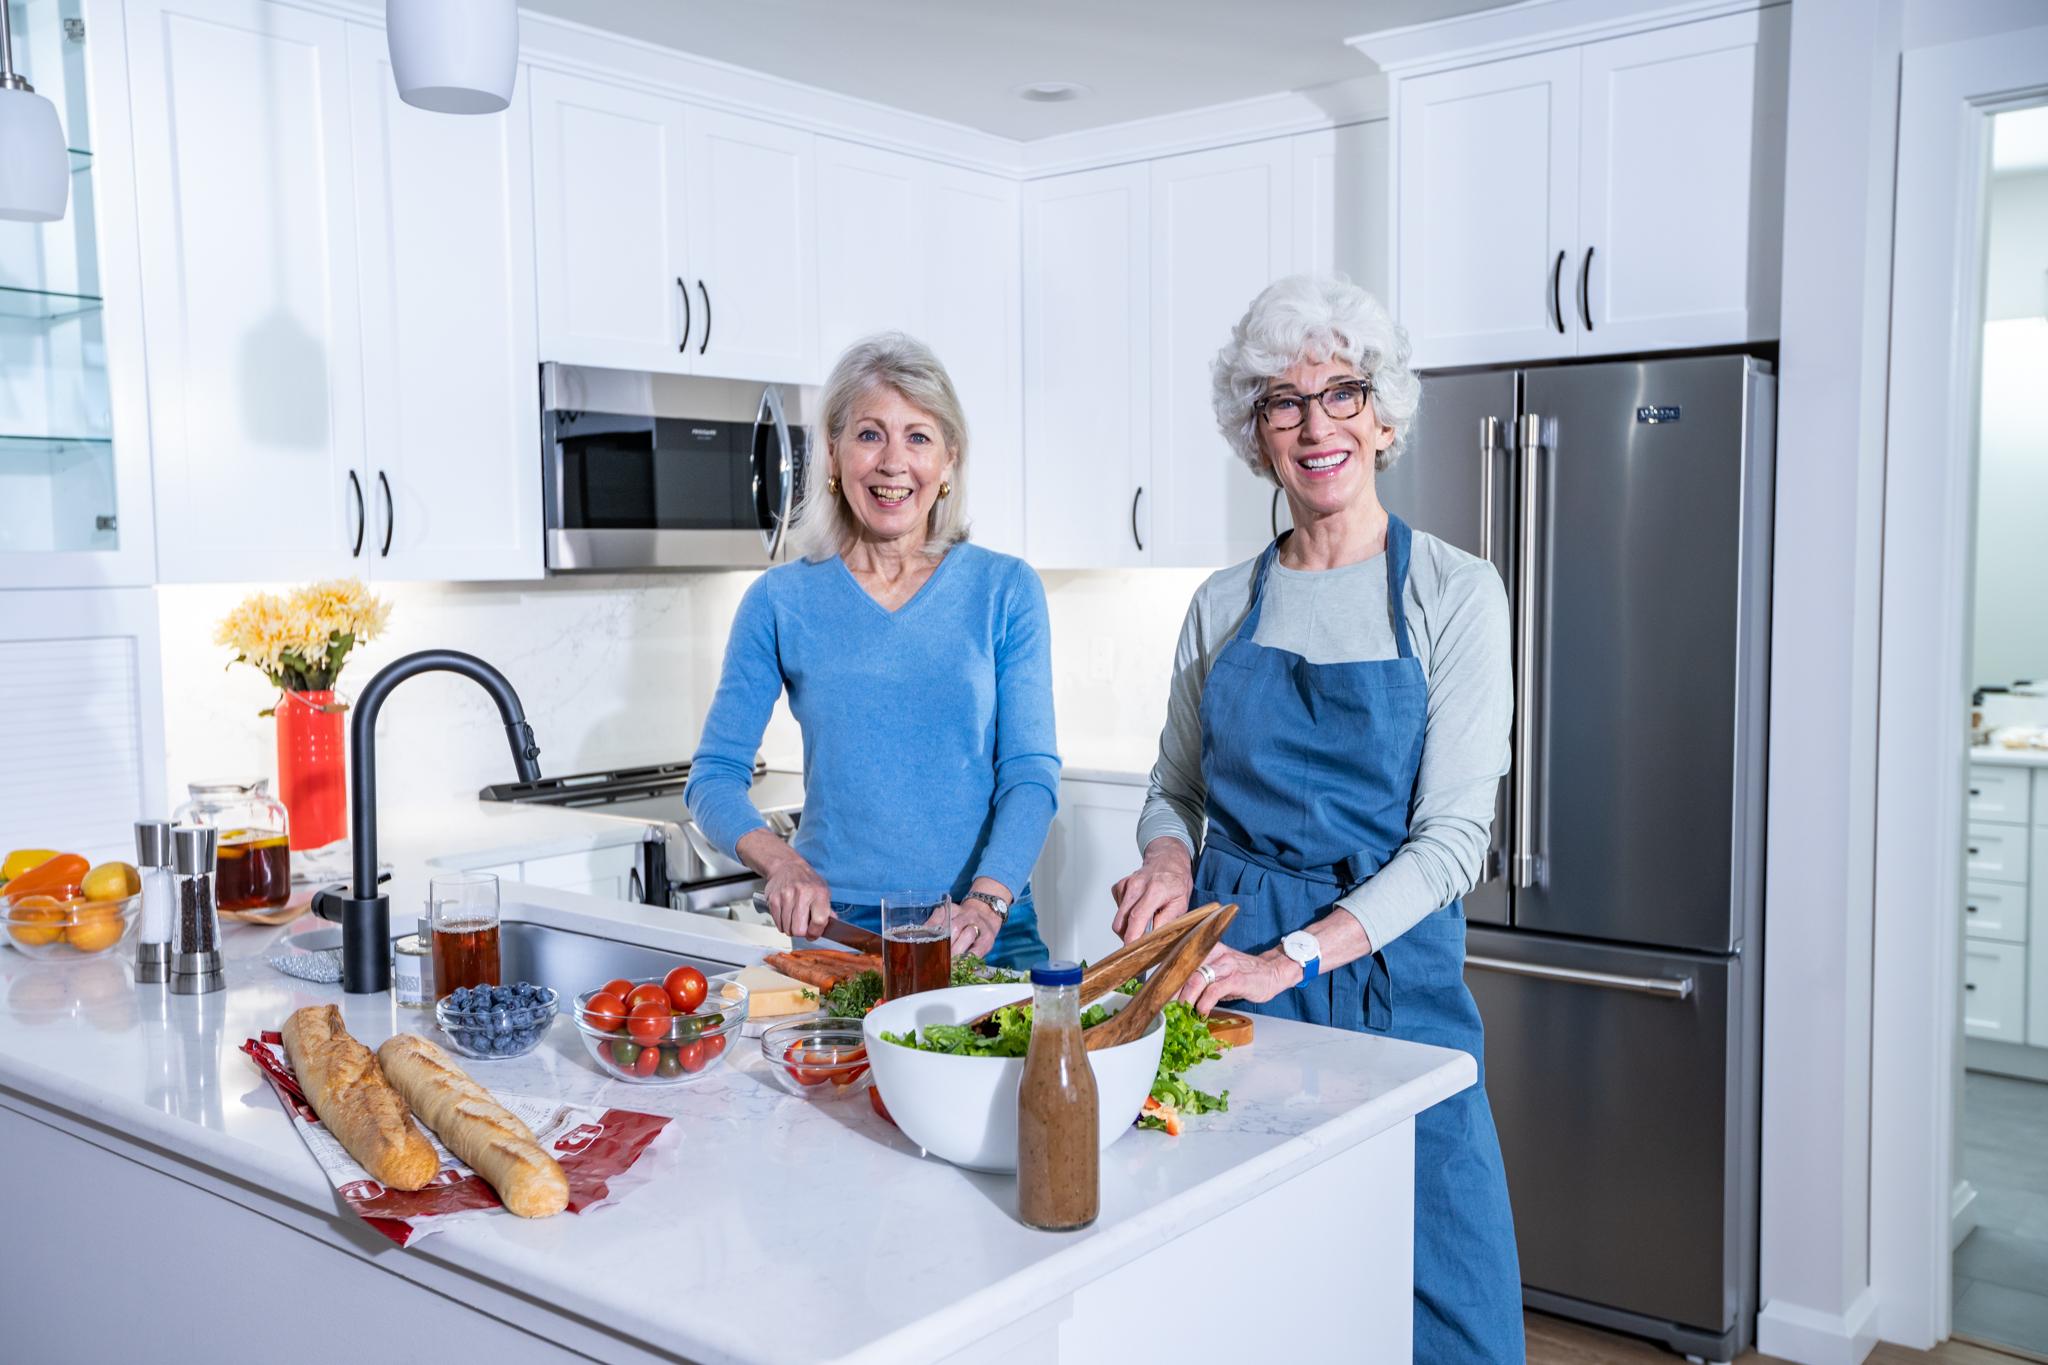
(1312, 317)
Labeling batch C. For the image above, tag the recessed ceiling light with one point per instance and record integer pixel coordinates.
(1051, 92)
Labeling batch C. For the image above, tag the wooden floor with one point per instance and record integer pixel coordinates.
(1553, 1341)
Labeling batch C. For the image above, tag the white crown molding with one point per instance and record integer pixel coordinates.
(1357, 100)
(1531, 26)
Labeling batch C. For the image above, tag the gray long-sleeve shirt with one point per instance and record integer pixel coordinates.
(1458, 627)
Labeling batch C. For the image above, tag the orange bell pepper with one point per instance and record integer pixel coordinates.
(53, 878)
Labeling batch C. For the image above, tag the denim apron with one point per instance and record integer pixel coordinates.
(1310, 771)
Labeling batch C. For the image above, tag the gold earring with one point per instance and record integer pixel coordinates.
(832, 485)
(945, 489)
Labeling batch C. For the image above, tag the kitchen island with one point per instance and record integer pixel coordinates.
(155, 1191)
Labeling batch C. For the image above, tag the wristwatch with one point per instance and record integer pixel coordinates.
(992, 901)
(1302, 946)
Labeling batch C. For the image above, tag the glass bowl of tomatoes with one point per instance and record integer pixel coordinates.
(664, 1032)
(817, 1058)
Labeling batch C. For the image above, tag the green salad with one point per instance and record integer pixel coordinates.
(853, 998)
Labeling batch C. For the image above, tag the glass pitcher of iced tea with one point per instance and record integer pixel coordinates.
(253, 867)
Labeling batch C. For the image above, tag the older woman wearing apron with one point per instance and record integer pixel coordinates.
(1338, 725)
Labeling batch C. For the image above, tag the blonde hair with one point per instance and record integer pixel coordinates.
(822, 524)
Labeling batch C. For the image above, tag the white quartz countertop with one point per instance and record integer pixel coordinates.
(784, 1228)
(2011, 758)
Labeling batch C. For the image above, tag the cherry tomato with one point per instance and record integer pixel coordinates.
(672, 1064)
(695, 1058)
(648, 1062)
(686, 988)
(712, 1046)
(624, 1052)
(605, 1011)
(875, 1103)
(618, 986)
(648, 1022)
(645, 992)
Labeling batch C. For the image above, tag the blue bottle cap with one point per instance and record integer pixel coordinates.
(1056, 974)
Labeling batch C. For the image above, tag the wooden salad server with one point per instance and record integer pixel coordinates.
(1133, 1019)
(1133, 959)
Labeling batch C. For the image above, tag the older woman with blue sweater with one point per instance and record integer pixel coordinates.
(918, 666)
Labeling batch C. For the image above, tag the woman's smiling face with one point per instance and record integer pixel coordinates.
(891, 460)
(1325, 464)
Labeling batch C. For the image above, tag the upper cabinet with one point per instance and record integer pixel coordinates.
(672, 239)
(1616, 196)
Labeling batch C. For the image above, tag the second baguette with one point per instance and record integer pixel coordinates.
(485, 1134)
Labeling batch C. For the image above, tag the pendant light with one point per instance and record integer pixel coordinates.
(35, 168)
(453, 56)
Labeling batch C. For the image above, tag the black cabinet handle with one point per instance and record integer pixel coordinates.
(362, 514)
(1975, 792)
(1139, 541)
(1971, 908)
(707, 317)
(1973, 853)
(1586, 289)
(1969, 985)
(684, 289)
(1557, 299)
(390, 515)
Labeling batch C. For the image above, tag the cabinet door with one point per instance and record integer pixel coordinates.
(2037, 931)
(753, 248)
(1994, 991)
(1087, 368)
(1681, 190)
(971, 304)
(1343, 187)
(1995, 910)
(872, 235)
(1092, 843)
(449, 344)
(247, 231)
(608, 226)
(1488, 201)
(1222, 230)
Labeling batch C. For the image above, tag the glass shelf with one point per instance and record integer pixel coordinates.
(45, 304)
(49, 445)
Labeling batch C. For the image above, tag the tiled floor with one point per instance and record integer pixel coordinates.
(2001, 1269)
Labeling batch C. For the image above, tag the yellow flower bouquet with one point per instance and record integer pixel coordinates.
(301, 640)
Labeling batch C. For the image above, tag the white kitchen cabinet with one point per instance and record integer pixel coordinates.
(1999, 794)
(609, 210)
(450, 409)
(910, 245)
(1087, 369)
(1996, 853)
(752, 248)
(1222, 229)
(2005, 906)
(1620, 196)
(2037, 919)
(1092, 844)
(1487, 204)
(1341, 183)
(1994, 991)
(248, 247)
(1995, 910)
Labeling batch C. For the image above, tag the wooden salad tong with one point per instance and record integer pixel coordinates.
(1128, 1023)
(1133, 959)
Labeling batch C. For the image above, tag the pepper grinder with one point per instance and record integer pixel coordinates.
(195, 938)
(153, 940)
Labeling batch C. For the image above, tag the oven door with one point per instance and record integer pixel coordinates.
(630, 492)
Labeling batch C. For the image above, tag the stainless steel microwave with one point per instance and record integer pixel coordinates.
(665, 472)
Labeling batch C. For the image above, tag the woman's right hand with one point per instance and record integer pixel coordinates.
(798, 900)
(1157, 893)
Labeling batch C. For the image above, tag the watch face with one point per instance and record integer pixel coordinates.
(1301, 946)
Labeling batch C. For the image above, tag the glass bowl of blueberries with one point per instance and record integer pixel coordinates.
(495, 1022)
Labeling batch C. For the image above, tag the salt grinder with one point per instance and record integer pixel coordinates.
(153, 862)
(195, 937)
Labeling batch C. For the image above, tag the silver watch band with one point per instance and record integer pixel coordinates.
(992, 901)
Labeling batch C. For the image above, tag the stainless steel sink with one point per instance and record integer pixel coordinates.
(565, 959)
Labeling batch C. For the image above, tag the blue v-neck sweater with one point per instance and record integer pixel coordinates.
(929, 757)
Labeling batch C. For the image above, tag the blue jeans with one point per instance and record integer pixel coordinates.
(1017, 947)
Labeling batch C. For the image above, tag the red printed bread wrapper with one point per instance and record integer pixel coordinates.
(598, 1150)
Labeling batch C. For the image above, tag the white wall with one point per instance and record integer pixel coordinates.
(2016, 255)
(2011, 626)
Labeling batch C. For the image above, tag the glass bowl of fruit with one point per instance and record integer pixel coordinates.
(666, 1032)
(817, 1058)
(491, 1023)
(61, 909)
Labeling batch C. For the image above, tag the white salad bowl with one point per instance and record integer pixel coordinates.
(965, 1108)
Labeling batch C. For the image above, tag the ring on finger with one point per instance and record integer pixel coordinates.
(1208, 973)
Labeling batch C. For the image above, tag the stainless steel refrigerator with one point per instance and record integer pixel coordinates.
(1615, 947)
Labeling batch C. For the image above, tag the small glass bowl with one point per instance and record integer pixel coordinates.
(51, 930)
(693, 1047)
(817, 1058)
(500, 1031)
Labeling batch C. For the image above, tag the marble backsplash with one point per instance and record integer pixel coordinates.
(620, 670)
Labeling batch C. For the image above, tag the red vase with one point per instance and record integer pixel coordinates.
(311, 772)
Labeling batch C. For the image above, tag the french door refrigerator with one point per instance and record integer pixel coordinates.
(1615, 945)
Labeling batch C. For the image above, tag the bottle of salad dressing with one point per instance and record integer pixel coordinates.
(1059, 1183)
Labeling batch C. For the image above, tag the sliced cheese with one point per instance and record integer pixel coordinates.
(770, 993)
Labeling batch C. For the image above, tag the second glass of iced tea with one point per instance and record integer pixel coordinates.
(463, 911)
(917, 943)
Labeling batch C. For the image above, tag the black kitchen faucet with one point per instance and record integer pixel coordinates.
(365, 916)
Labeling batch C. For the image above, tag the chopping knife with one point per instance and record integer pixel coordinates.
(838, 931)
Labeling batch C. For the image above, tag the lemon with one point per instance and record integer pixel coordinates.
(111, 882)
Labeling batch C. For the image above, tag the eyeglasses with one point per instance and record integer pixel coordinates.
(1340, 401)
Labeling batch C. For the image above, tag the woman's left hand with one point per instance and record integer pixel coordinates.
(1239, 976)
(975, 927)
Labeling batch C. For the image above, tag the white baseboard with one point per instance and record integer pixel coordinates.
(1808, 1336)
(1962, 1213)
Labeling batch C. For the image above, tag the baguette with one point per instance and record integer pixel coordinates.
(341, 1081)
(486, 1135)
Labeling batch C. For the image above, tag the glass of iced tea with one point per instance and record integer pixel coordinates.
(917, 942)
(463, 911)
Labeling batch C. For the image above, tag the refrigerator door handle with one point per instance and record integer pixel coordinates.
(1665, 987)
(1489, 452)
(1525, 857)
